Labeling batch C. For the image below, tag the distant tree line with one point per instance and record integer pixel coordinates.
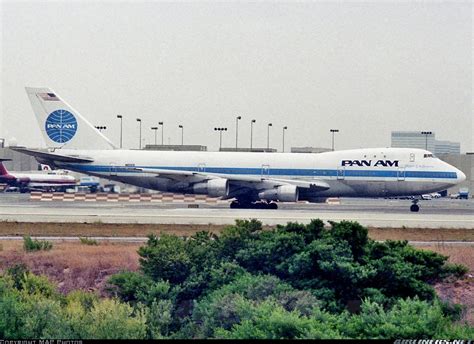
(295, 281)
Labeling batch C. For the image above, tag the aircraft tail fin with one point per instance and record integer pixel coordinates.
(61, 125)
(3, 169)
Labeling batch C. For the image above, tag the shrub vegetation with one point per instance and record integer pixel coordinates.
(296, 281)
(36, 245)
(88, 241)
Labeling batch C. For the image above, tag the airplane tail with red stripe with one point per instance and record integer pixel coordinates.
(3, 169)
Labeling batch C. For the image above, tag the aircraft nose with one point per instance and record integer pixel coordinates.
(461, 176)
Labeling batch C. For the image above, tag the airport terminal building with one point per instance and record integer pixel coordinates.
(424, 140)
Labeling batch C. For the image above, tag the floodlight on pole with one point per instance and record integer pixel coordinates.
(140, 137)
(268, 135)
(182, 134)
(162, 131)
(283, 143)
(120, 117)
(251, 133)
(220, 130)
(155, 130)
(426, 133)
(237, 131)
(333, 131)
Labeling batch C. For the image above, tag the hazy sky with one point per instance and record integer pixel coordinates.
(365, 68)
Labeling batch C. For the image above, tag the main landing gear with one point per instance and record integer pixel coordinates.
(253, 205)
(415, 207)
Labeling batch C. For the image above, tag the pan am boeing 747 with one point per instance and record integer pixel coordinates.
(250, 179)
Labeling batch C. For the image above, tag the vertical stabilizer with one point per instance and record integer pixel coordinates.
(3, 169)
(61, 125)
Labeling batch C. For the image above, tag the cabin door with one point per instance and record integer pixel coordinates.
(401, 173)
(113, 169)
(341, 171)
(265, 171)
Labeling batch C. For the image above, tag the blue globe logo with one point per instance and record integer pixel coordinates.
(61, 126)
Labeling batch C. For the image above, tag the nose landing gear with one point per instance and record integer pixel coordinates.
(415, 207)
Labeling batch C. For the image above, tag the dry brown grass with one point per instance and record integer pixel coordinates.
(72, 265)
(461, 291)
(421, 234)
(141, 230)
(457, 254)
(99, 229)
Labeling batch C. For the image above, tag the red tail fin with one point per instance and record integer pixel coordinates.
(3, 170)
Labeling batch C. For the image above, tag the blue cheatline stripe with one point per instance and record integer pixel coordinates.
(276, 171)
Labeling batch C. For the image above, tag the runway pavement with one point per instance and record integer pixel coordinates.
(437, 213)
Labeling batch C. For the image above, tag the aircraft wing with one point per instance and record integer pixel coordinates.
(252, 182)
(48, 156)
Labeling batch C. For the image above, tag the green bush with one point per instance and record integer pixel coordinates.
(110, 319)
(408, 318)
(295, 281)
(135, 287)
(165, 258)
(269, 320)
(88, 241)
(17, 272)
(36, 245)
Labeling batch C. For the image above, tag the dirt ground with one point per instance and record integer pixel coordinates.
(141, 230)
(73, 265)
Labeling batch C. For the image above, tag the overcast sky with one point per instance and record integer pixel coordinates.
(363, 68)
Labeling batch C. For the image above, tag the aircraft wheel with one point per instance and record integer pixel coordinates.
(414, 208)
(235, 205)
(273, 205)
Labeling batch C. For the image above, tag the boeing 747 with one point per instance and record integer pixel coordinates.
(250, 179)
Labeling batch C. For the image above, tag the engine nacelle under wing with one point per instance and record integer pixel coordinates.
(218, 187)
(283, 193)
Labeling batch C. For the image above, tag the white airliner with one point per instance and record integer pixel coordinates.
(251, 179)
(27, 181)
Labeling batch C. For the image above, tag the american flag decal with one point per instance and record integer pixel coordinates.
(48, 96)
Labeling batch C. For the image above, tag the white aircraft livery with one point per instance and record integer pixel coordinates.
(251, 179)
(28, 181)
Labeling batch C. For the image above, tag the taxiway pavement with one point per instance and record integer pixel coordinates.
(436, 213)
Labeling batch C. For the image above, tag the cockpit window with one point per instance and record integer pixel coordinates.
(428, 156)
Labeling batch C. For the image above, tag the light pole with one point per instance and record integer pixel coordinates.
(100, 127)
(182, 134)
(268, 135)
(333, 131)
(162, 131)
(140, 137)
(283, 144)
(426, 133)
(237, 131)
(220, 130)
(155, 129)
(120, 116)
(251, 133)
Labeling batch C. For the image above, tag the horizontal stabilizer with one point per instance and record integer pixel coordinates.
(48, 156)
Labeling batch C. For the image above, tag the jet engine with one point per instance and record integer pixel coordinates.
(284, 193)
(218, 187)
